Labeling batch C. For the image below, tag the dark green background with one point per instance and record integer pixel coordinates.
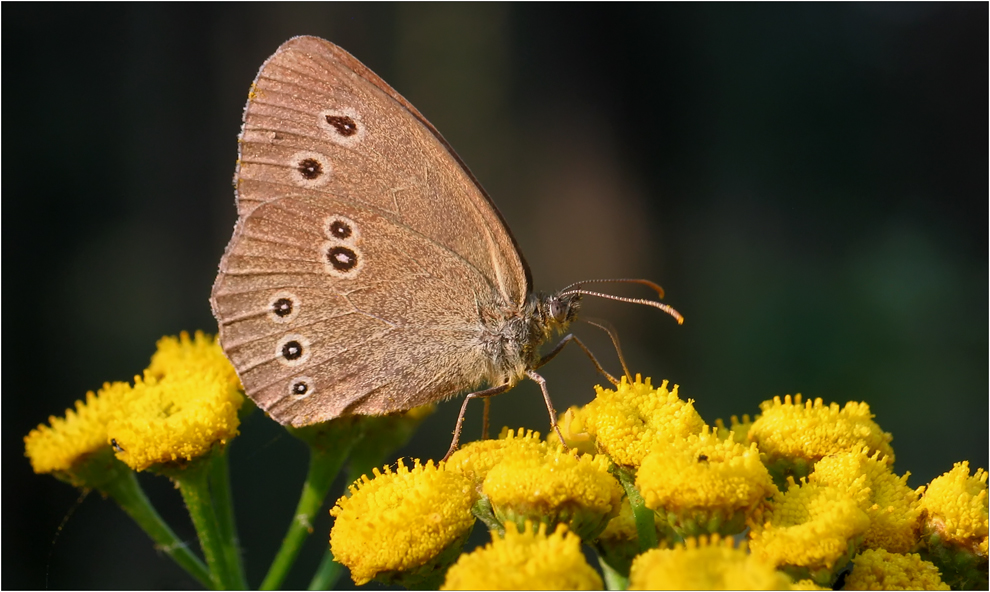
(808, 182)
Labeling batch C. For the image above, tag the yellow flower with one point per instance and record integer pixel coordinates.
(68, 441)
(559, 487)
(955, 507)
(475, 459)
(175, 419)
(891, 505)
(201, 354)
(525, 560)
(704, 485)
(630, 421)
(738, 431)
(877, 569)
(810, 531)
(704, 564)
(404, 523)
(809, 585)
(795, 436)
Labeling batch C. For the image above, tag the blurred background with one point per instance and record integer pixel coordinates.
(808, 182)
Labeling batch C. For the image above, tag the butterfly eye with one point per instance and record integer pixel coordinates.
(283, 307)
(341, 261)
(341, 229)
(342, 126)
(301, 387)
(292, 350)
(310, 169)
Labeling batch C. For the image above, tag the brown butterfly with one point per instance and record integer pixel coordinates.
(369, 272)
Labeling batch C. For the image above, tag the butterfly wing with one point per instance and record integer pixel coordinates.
(313, 96)
(364, 252)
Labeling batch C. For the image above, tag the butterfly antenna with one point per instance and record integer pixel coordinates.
(575, 288)
(610, 329)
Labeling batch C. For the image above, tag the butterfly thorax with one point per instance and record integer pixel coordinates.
(512, 336)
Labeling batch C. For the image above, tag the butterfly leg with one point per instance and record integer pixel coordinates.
(546, 398)
(491, 392)
(564, 341)
(484, 418)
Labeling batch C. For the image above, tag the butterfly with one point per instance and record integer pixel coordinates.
(369, 272)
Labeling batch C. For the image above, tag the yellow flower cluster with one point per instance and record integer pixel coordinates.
(401, 521)
(704, 485)
(794, 436)
(185, 403)
(704, 563)
(810, 531)
(629, 422)
(643, 464)
(955, 507)
(877, 569)
(525, 559)
(890, 504)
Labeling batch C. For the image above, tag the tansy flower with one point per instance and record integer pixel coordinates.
(201, 354)
(891, 505)
(177, 418)
(69, 441)
(795, 435)
(630, 421)
(559, 487)
(954, 525)
(475, 459)
(704, 564)
(955, 507)
(525, 560)
(877, 569)
(402, 526)
(810, 531)
(704, 485)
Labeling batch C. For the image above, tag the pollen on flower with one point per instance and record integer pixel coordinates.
(955, 507)
(704, 564)
(557, 487)
(630, 421)
(799, 434)
(701, 483)
(877, 569)
(200, 354)
(475, 459)
(524, 560)
(401, 520)
(891, 505)
(176, 418)
(810, 531)
(61, 444)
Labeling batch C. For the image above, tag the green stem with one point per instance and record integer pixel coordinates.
(645, 519)
(223, 506)
(126, 491)
(324, 464)
(193, 483)
(613, 579)
(327, 574)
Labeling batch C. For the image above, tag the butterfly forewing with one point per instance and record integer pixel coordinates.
(313, 97)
